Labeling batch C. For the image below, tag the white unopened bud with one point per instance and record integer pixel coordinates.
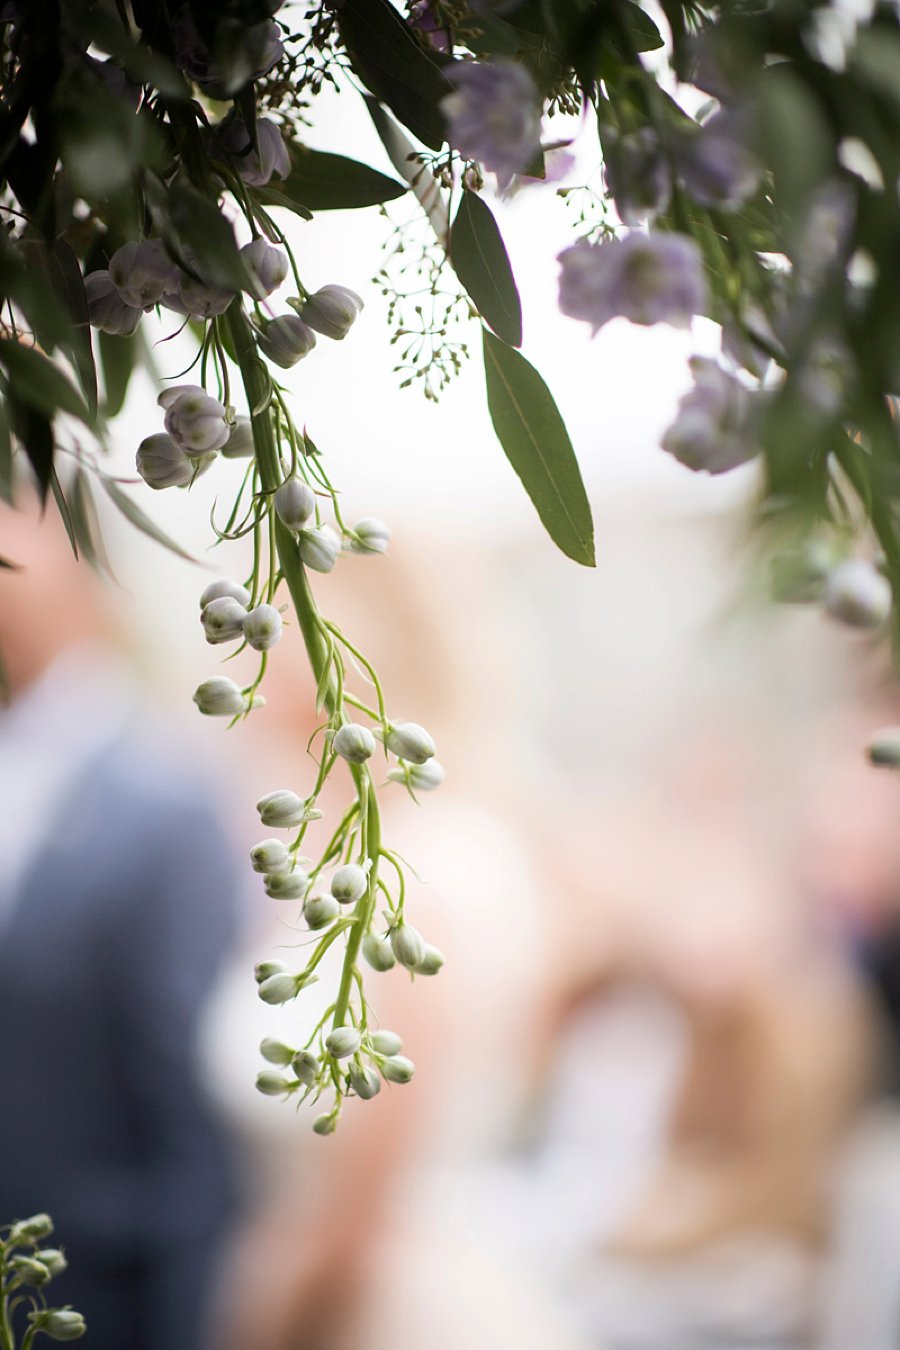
(349, 884)
(291, 885)
(53, 1259)
(219, 697)
(398, 1069)
(263, 969)
(883, 749)
(418, 777)
(319, 547)
(354, 743)
(60, 1324)
(282, 809)
(266, 267)
(270, 856)
(33, 1229)
(858, 595)
(306, 1067)
(162, 463)
(195, 300)
(106, 308)
(364, 1081)
(223, 619)
(240, 440)
(142, 273)
(177, 391)
(326, 1124)
(370, 536)
(272, 1084)
(286, 340)
(29, 1270)
(223, 586)
(320, 910)
(262, 627)
(276, 1052)
(197, 421)
(256, 164)
(343, 1042)
(408, 945)
(386, 1042)
(295, 502)
(431, 962)
(279, 988)
(378, 952)
(407, 740)
(332, 311)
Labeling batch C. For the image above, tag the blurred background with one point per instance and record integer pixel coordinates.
(653, 1107)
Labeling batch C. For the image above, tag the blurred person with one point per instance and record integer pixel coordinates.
(117, 907)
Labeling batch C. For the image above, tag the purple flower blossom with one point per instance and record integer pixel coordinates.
(493, 116)
(637, 175)
(714, 428)
(422, 17)
(647, 278)
(269, 159)
(715, 164)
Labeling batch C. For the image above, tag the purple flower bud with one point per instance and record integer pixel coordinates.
(715, 164)
(493, 116)
(142, 273)
(262, 627)
(106, 308)
(332, 311)
(714, 428)
(422, 17)
(267, 268)
(637, 175)
(197, 421)
(162, 463)
(286, 340)
(269, 159)
(646, 278)
(223, 620)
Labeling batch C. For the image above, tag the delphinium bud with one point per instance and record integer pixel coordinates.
(197, 421)
(306, 1067)
(262, 627)
(364, 1081)
(332, 311)
(286, 340)
(386, 1042)
(60, 1324)
(33, 1229)
(291, 885)
(272, 1084)
(195, 300)
(431, 962)
(418, 777)
(354, 743)
(224, 586)
(343, 1042)
(494, 116)
(53, 1259)
(398, 1069)
(349, 884)
(106, 308)
(29, 1271)
(256, 165)
(715, 163)
(282, 809)
(714, 429)
(271, 855)
(223, 619)
(276, 1052)
(240, 440)
(320, 910)
(646, 278)
(142, 273)
(319, 547)
(266, 266)
(378, 952)
(370, 536)
(295, 502)
(279, 988)
(263, 969)
(407, 740)
(325, 1124)
(883, 749)
(219, 697)
(408, 945)
(858, 595)
(162, 463)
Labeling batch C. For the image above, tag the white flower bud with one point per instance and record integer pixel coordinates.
(398, 1069)
(431, 962)
(34, 1229)
(378, 952)
(407, 740)
(60, 1324)
(282, 809)
(263, 969)
(219, 697)
(883, 749)
(858, 595)
(162, 463)
(349, 884)
(272, 1084)
(291, 885)
(320, 910)
(326, 1124)
(262, 627)
(29, 1270)
(386, 1042)
(177, 391)
(106, 308)
(419, 777)
(142, 273)
(354, 743)
(224, 586)
(319, 547)
(295, 502)
(286, 340)
(306, 1067)
(370, 536)
(197, 421)
(53, 1259)
(343, 1042)
(408, 945)
(256, 165)
(365, 1082)
(279, 988)
(195, 300)
(223, 620)
(266, 267)
(240, 440)
(270, 856)
(332, 311)
(276, 1052)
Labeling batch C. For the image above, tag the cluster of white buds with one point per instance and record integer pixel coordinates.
(267, 267)
(196, 429)
(403, 945)
(26, 1269)
(285, 340)
(372, 1057)
(225, 617)
(332, 311)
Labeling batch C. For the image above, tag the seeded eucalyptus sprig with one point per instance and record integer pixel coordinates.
(26, 1269)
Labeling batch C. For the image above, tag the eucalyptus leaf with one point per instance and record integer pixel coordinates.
(321, 181)
(38, 381)
(140, 520)
(118, 356)
(481, 262)
(6, 455)
(537, 445)
(34, 432)
(63, 507)
(68, 283)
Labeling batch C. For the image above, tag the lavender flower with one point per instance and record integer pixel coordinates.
(714, 427)
(493, 116)
(715, 165)
(647, 278)
(106, 308)
(637, 175)
(269, 158)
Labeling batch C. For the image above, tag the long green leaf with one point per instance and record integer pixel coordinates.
(537, 445)
(321, 181)
(6, 455)
(117, 357)
(481, 262)
(402, 154)
(140, 520)
(36, 380)
(68, 283)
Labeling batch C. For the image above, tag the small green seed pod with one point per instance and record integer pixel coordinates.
(326, 1124)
